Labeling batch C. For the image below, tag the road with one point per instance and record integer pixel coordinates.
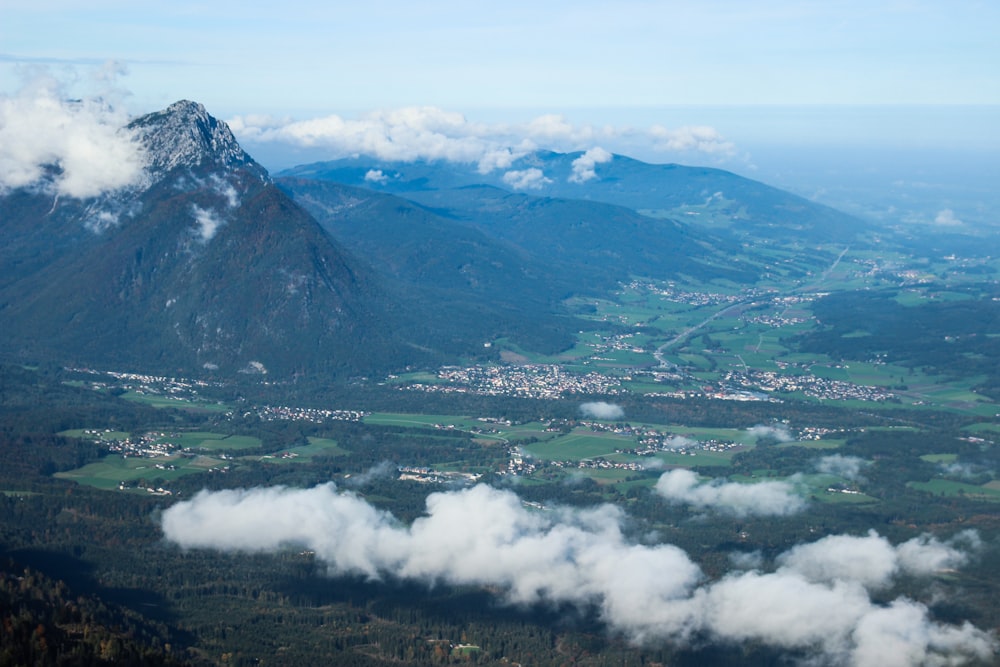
(659, 353)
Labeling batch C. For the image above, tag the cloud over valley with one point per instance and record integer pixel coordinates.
(816, 600)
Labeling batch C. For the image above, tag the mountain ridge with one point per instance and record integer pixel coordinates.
(208, 267)
(703, 196)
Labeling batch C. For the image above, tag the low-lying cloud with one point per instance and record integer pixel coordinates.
(848, 467)
(777, 432)
(768, 498)
(584, 167)
(429, 133)
(601, 410)
(649, 594)
(70, 147)
(526, 179)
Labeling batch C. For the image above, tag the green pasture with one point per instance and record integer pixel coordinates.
(210, 441)
(832, 443)
(945, 487)
(421, 377)
(105, 436)
(161, 401)
(696, 458)
(112, 470)
(834, 497)
(409, 420)
(624, 359)
(983, 427)
(703, 433)
(503, 432)
(316, 447)
(939, 458)
(580, 444)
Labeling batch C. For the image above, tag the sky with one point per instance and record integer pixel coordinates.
(871, 83)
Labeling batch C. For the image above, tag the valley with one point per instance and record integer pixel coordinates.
(434, 421)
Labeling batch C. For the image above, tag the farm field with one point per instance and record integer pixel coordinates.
(111, 471)
(316, 447)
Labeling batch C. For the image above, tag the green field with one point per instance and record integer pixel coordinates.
(112, 470)
(421, 421)
(580, 444)
(482, 430)
(161, 401)
(944, 487)
(698, 458)
(210, 441)
(316, 447)
(103, 435)
(939, 458)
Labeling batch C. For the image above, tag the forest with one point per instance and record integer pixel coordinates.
(88, 577)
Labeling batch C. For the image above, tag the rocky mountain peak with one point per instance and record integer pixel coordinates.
(186, 135)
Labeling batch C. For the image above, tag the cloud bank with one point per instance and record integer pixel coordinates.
(648, 594)
(429, 133)
(769, 498)
(74, 148)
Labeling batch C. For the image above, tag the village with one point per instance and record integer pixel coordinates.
(544, 381)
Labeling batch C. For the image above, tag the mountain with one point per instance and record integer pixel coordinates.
(208, 265)
(710, 198)
(205, 265)
(502, 245)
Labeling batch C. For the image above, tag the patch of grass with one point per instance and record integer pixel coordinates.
(939, 458)
(839, 498)
(580, 444)
(316, 447)
(111, 471)
(210, 441)
(95, 434)
(161, 401)
(944, 487)
(831, 443)
(698, 458)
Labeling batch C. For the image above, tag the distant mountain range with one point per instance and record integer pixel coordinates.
(358, 266)
(708, 198)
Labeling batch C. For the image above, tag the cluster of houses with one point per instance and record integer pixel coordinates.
(810, 385)
(526, 381)
(315, 415)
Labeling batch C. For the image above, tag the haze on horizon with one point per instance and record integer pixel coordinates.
(852, 103)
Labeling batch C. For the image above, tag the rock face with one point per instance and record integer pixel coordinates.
(185, 135)
(205, 266)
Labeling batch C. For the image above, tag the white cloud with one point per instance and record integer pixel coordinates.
(848, 467)
(526, 179)
(700, 138)
(947, 218)
(430, 133)
(74, 148)
(584, 166)
(872, 561)
(208, 222)
(649, 594)
(769, 498)
(777, 432)
(601, 410)
(375, 176)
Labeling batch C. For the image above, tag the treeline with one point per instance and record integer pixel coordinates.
(949, 337)
(43, 622)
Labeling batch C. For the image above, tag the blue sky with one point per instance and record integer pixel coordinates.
(304, 58)
(765, 76)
